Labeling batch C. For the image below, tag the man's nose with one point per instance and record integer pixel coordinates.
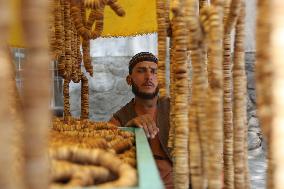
(149, 74)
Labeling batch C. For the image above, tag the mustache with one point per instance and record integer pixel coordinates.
(143, 95)
(148, 83)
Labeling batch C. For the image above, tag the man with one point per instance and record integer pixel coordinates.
(148, 111)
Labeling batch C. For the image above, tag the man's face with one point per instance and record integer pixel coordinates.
(144, 80)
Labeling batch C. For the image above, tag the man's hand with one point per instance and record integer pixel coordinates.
(147, 123)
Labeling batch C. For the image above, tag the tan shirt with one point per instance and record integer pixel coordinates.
(159, 143)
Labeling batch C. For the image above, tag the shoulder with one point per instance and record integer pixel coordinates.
(164, 102)
(123, 114)
(126, 108)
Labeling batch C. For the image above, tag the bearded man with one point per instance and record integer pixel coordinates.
(146, 110)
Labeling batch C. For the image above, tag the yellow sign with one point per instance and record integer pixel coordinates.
(140, 19)
(16, 33)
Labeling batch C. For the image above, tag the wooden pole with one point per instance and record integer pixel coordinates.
(278, 92)
(36, 93)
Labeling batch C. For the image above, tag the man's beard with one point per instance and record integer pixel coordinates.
(146, 96)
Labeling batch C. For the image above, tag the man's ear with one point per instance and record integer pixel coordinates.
(129, 80)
